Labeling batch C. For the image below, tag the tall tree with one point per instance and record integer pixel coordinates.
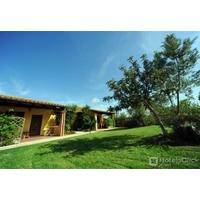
(180, 58)
(159, 81)
(137, 88)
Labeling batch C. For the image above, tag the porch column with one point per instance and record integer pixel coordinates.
(101, 120)
(62, 131)
(96, 123)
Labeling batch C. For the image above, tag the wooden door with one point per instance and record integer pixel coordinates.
(36, 123)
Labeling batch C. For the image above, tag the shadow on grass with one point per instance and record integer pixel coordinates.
(169, 140)
(84, 145)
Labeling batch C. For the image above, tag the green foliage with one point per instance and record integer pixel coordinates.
(70, 118)
(120, 120)
(149, 120)
(88, 118)
(110, 122)
(10, 129)
(190, 113)
(138, 88)
(158, 82)
(140, 117)
(134, 119)
(179, 75)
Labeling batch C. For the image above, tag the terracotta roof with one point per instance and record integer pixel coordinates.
(79, 109)
(102, 111)
(20, 101)
(5, 98)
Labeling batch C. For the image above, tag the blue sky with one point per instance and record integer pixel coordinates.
(71, 67)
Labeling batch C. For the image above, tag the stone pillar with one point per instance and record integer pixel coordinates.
(62, 131)
(96, 122)
(101, 121)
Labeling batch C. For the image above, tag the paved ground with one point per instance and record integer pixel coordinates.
(42, 139)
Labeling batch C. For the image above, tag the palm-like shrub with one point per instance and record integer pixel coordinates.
(88, 118)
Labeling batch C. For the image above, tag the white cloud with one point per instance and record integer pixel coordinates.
(98, 76)
(146, 44)
(105, 65)
(101, 107)
(20, 88)
(98, 104)
(95, 100)
(151, 42)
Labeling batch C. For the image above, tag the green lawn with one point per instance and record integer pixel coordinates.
(125, 148)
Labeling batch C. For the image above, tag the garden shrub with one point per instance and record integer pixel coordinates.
(70, 119)
(120, 120)
(185, 125)
(189, 115)
(88, 118)
(135, 120)
(149, 120)
(10, 129)
(110, 122)
(78, 123)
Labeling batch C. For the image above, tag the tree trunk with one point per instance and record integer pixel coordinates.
(178, 89)
(178, 103)
(157, 117)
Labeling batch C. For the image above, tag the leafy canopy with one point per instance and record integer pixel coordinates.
(160, 81)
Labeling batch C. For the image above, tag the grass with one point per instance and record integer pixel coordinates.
(124, 148)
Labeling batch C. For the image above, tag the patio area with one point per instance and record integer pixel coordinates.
(34, 138)
(43, 139)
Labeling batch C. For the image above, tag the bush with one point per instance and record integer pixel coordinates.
(88, 118)
(120, 120)
(189, 115)
(110, 122)
(78, 123)
(10, 129)
(70, 118)
(149, 120)
(135, 120)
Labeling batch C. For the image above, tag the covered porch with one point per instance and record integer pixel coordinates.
(100, 118)
(41, 119)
